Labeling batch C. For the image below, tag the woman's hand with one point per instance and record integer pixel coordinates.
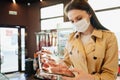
(81, 75)
(60, 69)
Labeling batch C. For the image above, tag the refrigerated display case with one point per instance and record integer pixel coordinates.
(63, 31)
(53, 40)
(45, 40)
(42, 40)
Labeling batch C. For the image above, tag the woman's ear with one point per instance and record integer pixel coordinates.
(89, 13)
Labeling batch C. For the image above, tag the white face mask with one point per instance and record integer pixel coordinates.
(82, 25)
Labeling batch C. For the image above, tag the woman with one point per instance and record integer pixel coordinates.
(92, 50)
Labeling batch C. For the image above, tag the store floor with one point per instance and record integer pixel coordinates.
(21, 76)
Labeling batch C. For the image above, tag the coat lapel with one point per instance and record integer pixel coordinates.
(90, 47)
(100, 48)
(79, 45)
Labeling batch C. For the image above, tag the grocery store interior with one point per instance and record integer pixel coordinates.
(27, 26)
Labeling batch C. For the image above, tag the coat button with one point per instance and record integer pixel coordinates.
(77, 36)
(71, 52)
(94, 58)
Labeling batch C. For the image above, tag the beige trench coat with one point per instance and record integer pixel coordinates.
(101, 54)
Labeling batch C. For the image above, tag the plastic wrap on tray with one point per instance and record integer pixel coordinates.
(49, 63)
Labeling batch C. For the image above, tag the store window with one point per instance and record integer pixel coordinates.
(51, 16)
(110, 19)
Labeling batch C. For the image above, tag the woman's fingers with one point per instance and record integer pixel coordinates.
(46, 51)
(76, 70)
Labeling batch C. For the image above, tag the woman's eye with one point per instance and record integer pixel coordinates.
(79, 18)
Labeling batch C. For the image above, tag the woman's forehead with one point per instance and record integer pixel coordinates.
(74, 13)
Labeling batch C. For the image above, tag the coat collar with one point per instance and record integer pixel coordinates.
(97, 33)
